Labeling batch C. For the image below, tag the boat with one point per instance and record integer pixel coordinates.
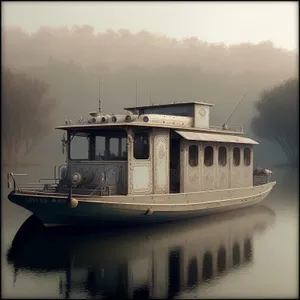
(154, 163)
(157, 261)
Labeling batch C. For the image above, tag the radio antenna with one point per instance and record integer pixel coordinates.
(240, 101)
(136, 93)
(100, 102)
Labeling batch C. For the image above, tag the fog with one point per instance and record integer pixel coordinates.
(214, 22)
(212, 52)
(209, 52)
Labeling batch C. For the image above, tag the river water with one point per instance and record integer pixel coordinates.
(247, 253)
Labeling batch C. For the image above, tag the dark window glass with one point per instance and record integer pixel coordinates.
(208, 156)
(193, 155)
(141, 145)
(247, 157)
(106, 146)
(236, 156)
(222, 156)
(79, 147)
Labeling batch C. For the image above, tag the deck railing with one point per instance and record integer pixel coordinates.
(231, 128)
(40, 185)
(50, 187)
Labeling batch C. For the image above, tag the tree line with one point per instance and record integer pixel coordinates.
(118, 49)
(277, 118)
(26, 114)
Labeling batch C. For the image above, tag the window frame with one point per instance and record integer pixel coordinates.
(92, 135)
(72, 135)
(110, 146)
(233, 158)
(247, 148)
(134, 144)
(204, 160)
(197, 155)
(226, 154)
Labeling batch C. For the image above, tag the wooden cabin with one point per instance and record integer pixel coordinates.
(157, 149)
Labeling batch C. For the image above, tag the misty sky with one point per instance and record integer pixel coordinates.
(215, 22)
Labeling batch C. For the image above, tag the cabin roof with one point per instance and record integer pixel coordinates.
(214, 137)
(170, 105)
(181, 129)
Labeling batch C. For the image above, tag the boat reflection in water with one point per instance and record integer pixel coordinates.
(145, 262)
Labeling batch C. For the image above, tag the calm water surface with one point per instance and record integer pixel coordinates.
(245, 253)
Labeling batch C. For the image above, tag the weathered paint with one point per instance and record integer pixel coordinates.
(215, 177)
(151, 176)
(166, 120)
(161, 159)
(140, 178)
(183, 164)
(115, 174)
(214, 137)
(236, 172)
(248, 170)
(209, 181)
(186, 126)
(164, 106)
(222, 171)
(193, 173)
(139, 169)
(201, 116)
(132, 209)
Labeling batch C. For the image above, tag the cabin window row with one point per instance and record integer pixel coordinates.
(222, 156)
(103, 147)
(106, 146)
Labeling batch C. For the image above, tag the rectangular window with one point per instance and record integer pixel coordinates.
(113, 147)
(79, 146)
(104, 146)
(99, 148)
(247, 157)
(208, 156)
(236, 156)
(141, 145)
(193, 155)
(222, 156)
(124, 148)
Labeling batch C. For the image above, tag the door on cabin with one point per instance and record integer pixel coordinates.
(174, 164)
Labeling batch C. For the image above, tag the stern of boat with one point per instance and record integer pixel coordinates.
(262, 176)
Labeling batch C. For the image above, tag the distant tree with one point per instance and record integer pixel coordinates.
(122, 48)
(278, 118)
(26, 113)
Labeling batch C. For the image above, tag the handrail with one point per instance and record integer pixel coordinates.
(53, 179)
(59, 170)
(39, 184)
(12, 176)
(48, 186)
(20, 174)
(232, 128)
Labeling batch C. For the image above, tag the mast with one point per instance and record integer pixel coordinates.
(100, 102)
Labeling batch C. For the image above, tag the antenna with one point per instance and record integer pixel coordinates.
(136, 93)
(224, 125)
(100, 102)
